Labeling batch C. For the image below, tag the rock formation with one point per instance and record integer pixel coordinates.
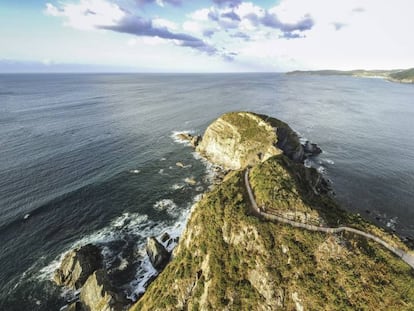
(98, 295)
(157, 253)
(193, 140)
(78, 265)
(238, 139)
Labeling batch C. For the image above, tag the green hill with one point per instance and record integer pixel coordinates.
(230, 259)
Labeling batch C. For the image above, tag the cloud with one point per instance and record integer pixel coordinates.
(87, 14)
(241, 35)
(291, 35)
(139, 26)
(208, 33)
(160, 2)
(271, 20)
(231, 15)
(358, 10)
(110, 16)
(230, 3)
(339, 26)
(247, 16)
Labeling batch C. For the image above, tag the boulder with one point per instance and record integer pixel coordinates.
(165, 237)
(78, 265)
(185, 136)
(157, 253)
(191, 181)
(180, 164)
(195, 141)
(98, 294)
(311, 149)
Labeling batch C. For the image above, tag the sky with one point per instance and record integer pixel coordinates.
(205, 36)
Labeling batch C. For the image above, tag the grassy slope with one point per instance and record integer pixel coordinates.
(404, 75)
(393, 75)
(223, 247)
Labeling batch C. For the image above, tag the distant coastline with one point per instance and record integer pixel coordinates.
(396, 75)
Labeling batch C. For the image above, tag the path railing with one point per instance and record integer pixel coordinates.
(406, 257)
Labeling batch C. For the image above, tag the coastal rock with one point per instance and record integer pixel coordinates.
(76, 306)
(185, 136)
(157, 253)
(98, 295)
(191, 181)
(165, 237)
(238, 139)
(311, 149)
(193, 140)
(288, 141)
(78, 265)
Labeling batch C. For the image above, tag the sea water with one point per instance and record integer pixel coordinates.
(92, 158)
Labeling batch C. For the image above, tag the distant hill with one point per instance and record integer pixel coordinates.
(396, 75)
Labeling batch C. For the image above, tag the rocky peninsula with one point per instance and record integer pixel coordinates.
(267, 237)
(232, 258)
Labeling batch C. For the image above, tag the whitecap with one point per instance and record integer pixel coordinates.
(177, 186)
(321, 170)
(392, 222)
(175, 136)
(167, 205)
(329, 161)
(307, 163)
(134, 171)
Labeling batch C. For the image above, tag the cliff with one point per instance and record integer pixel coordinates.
(239, 139)
(232, 258)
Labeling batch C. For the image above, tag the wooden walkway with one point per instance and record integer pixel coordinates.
(406, 257)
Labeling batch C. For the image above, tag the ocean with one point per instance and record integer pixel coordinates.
(92, 158)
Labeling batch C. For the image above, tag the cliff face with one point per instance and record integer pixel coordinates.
(238, 139)
(229, 259)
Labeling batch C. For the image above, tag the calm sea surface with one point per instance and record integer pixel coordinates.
(91, 158)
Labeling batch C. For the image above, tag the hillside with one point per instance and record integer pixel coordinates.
(231, 258)
(397, 75)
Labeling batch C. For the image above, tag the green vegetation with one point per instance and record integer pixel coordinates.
(249, 129)
(230, 260)
(404, 75)
(396, 75)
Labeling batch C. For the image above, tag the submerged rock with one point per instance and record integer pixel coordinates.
(157, 253)
(98, 294)
(78, 265)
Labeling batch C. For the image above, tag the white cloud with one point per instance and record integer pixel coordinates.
(200, 15)
(161, 22)
(87, 14)
(376, 35)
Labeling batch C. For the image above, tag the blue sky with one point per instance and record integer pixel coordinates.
(204, 36)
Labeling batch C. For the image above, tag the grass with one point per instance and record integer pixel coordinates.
(230, 260)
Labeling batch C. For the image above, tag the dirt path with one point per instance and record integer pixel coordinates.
(408, 258)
